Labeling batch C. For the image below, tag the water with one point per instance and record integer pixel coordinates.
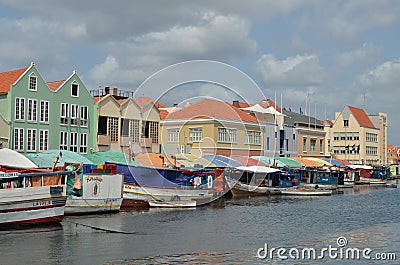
(227, 233)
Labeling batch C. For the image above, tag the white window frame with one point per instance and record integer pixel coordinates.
(84, 114)
(77, 90)
(83, 143)
(195, 134)
(173, 135)
(63, 140)
(64, 113)
(112, 128)
(32, 86)
(74, 114)
(32, 110)
(257, 137)
(31, 140)
(249, 137)
(73, 142)
(43, 140)
(222, 135)
(19, 110)
(44, 111)
(232, 135)
(19, 140)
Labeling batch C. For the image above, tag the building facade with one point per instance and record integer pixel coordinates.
(43, 116)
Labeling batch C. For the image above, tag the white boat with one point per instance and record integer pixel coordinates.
(172, 204)
(32, 198)
(306, 192)
(99, 193)
(241, 189)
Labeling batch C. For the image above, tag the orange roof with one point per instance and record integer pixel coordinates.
(361, 117)
(141, 101)
(208, 108)
(269, 103)
(97, 99)
(54, 85)
(330, 122)
(8, 78)
(239, 104)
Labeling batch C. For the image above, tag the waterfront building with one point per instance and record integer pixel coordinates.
(39, 115)
(354, 137)
(211, 127)
(380, 121)
(393, 154)
(125, 124)
(279, 138)
(310, 134)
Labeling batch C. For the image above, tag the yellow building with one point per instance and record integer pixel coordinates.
(211, 127)
(354, 137)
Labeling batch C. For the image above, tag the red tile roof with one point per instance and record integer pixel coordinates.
(330, 122)
(239, 104)
(269, 103)
(208, 108)
(8, 78)
(54, 85)
(361, 117)
(141, 101)
(97, 99)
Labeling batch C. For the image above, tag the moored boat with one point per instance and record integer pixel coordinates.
(306, 192)
(28, 197)
(172, 204)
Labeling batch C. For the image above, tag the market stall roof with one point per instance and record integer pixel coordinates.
(222, 161)
(344, 162)
(193, 161)
(47, 158)
(11, 158)
(319, 161)
(153, 160)
(270, 161)
(110, 156)
(247, 161)
(289, 162)
(306, 162)
(259, 169)
(334, 162)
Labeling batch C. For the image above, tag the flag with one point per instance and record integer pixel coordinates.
(353, 148)
(358, 148)
(301, 112)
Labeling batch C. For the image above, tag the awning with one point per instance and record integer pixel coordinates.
(259, 169)
(11, 158)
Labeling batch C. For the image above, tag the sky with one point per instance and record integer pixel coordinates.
(322, 54)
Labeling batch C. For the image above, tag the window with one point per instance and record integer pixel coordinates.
(153, 131)
(31, 143)
(232, 135)
(346, 123)
(74, 114)
(173, 135)
(287, 144)
(19, 139)
(32, 110)
(222, 135)
(19, 109)
(102, 125)
(249, 137)
(304, 145)
(32, 82)
(63, 140)
(83, 145)
(112, 129)
(43, 140)
(321, 145)
(75, 89)
(64, 113)
(84, 116)
(134, 131)
(195, 134)
(268, 143)
(257, 137)
(336, 136)
(44, 111)
(73, 147)
(294, 136)
(312, 145)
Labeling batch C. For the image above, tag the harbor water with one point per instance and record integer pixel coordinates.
(228, 232)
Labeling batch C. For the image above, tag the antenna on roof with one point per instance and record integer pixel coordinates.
(365, 92)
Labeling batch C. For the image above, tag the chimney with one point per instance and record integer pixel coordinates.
(175, 104)
(107, 90)
(235, 103)
(115, 91)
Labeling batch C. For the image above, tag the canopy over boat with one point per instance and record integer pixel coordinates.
(193, 161)
(360, 167)
(11, 158)
(319, 161)
(153, 160)
(258, 169)
(247, 161)
(288, 162)
(270, 161)
(222, 161)
(334, 162)
(306, 162)
(110, 156)
(47, 158)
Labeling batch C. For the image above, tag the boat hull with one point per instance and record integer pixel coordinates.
(179, 204)
(135, 195)
(239, 189)
(32, 205)
(306, 192)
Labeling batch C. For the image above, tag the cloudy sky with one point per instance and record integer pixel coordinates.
(337, 52)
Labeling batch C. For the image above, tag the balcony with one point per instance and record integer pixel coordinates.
(103, 139)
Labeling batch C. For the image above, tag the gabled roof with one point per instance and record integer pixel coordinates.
(361, 117)
(54, 85)
(10, 77)
(142, 101)
(208, 108)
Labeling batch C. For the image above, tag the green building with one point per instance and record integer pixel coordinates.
(38, 116)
